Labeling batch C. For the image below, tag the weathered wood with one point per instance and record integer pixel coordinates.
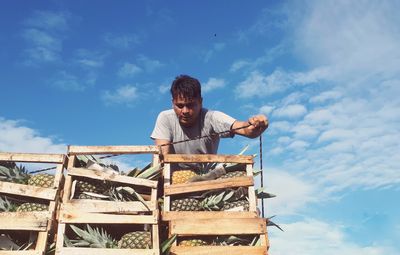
(28, 252)
(174, 189)
(207, 158)
(218, 226)
(80, 217)
(208, 250)
(167, 182)
(169, 215)
(121, 149)
(35, 221)
(41, 242)
(98, 251)
(84, 205)
(28, 190)
(251, 190)
(99, 175)
(32, 157)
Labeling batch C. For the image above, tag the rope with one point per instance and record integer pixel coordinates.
(262, 176)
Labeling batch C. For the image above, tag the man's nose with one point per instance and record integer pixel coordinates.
(185, 109)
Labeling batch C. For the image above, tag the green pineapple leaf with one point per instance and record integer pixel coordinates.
(166, 245)
(261, 193)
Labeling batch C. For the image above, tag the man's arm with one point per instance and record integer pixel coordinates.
(258, 124)
(166, 149)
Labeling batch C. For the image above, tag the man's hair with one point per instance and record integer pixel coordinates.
(186, 87)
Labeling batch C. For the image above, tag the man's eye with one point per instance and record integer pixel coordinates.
(180, 106)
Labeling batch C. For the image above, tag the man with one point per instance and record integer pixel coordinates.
(189, 120)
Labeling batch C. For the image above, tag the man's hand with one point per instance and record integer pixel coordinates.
(259, 123)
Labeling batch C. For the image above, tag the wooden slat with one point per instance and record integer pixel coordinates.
(99, 175)
(32, 157)
(122, 149)
(108, 206)
(169, 216)
(98, 251)
(243, 181)
(36, 221)
(218, 226)
(29, 252)
(207, 158)
(28, 190)
(80, 217)
(207, 250)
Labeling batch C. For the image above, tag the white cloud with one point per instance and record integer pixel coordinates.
(326, 95)
(126, 41)
(66, 81)
(287, 201)
(164, 88)
(148, 64)
(258, 85)
(315, 237)
(266, 109)
(216, 47)
(48, 20)
(129, 70)
(43, 34)
(15, 137)
(212, 84)
(290, 111)
(89, 59)
(123, 95)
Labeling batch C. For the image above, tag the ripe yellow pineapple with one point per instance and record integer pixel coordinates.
(42, 180)
(182, 176)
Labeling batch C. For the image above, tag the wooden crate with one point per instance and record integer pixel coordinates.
(197, 228)
(76, 217)
(171, 190)
(41, 223)
(94, 206)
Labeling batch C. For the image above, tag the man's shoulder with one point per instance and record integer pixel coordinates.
(167, 113)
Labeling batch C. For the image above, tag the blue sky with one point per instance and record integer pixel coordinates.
(327, 73)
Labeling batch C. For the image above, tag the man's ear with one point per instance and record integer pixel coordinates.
(201, 100)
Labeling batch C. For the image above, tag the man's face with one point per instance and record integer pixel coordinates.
(187, 110)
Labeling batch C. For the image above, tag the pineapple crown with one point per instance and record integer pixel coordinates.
(91, 237)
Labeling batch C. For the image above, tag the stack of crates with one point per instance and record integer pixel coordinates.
(29, 228)
(215, 230)
(114, 217)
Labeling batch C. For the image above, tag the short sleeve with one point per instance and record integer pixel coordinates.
(162, 129)
(222, 122)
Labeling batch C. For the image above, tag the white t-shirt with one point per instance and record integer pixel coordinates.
(167, 127)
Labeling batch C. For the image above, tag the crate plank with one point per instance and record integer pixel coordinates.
(97, 251)
(121, 149)
(207, 250)
(99, 175)
(35, 221)
(108, 206)
(28, 190)
(80, 217)
(28, 252)
(32, 157)
(174, 189)
(168, 216)
(207, 158)
(218, 226)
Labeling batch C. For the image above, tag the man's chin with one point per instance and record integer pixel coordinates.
(186, 123)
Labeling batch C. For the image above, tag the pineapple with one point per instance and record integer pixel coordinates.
(91, 237)
(42, 180)
(236, 204)
(32, 207)
(182, 176)
(185, 204)
(99, 238)
(135, 240)
(15, 174)
(233, 174)
(193, 242)
(90, 185)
